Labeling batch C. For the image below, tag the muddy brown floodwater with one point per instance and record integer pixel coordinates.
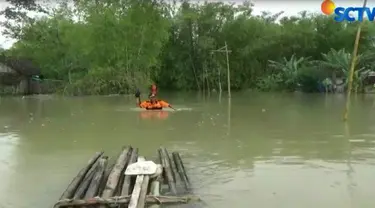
(266, 150)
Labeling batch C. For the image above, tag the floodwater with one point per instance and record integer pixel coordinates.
(265, 150)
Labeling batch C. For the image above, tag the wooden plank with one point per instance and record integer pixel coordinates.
(71, 189)
(126, 188)
(143, 192)
(137, 188)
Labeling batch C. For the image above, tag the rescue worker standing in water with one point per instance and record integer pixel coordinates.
(152, 103)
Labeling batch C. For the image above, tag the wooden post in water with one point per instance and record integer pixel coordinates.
(226, 51)
(352, 67)
(228, 70)
(229, 115)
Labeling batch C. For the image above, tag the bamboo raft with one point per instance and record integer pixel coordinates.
(100, 184)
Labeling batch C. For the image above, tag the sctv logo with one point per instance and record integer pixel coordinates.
(349, 14)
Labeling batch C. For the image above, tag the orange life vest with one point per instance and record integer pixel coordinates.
(158, 105)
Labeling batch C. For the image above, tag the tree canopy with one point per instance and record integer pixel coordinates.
(114, 46)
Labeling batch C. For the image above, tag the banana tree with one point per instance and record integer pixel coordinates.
(290, 70)
(338, 64)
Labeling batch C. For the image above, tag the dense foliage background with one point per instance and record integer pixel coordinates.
(113, 46)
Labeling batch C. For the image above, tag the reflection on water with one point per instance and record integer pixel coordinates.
(258, 150)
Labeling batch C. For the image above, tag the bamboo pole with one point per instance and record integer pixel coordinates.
(123, 200)
(352, 67)
(155, 184)
(115, 174)
(225, 50)
(181, 169)
(228, 70)
(107, 171)
(73, 186)
(135, 198)
(143, 192)
(170, 164)
(229, 115)
(86, 182)
(93, 188)
(126, 187)
(165, 161)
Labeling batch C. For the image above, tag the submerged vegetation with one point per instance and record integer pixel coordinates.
(113, 46)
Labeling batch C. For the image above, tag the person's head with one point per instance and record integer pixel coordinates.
(153, 88)
(152, 98)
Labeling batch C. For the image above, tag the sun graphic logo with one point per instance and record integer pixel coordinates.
(328, 7)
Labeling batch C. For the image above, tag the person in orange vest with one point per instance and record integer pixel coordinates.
(152, 103)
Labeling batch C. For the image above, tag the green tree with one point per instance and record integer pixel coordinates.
(112, 46)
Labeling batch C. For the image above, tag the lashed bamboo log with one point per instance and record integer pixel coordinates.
(155, 184)
(126, 187)
(86, 182)
(93, 189)
(143, 192)
(181, 169)
(71, 189)
(125, 200)
(167, 169)
(107, 171)
(170, 164)
(114, 176)
(104, 180)
(120, 182)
